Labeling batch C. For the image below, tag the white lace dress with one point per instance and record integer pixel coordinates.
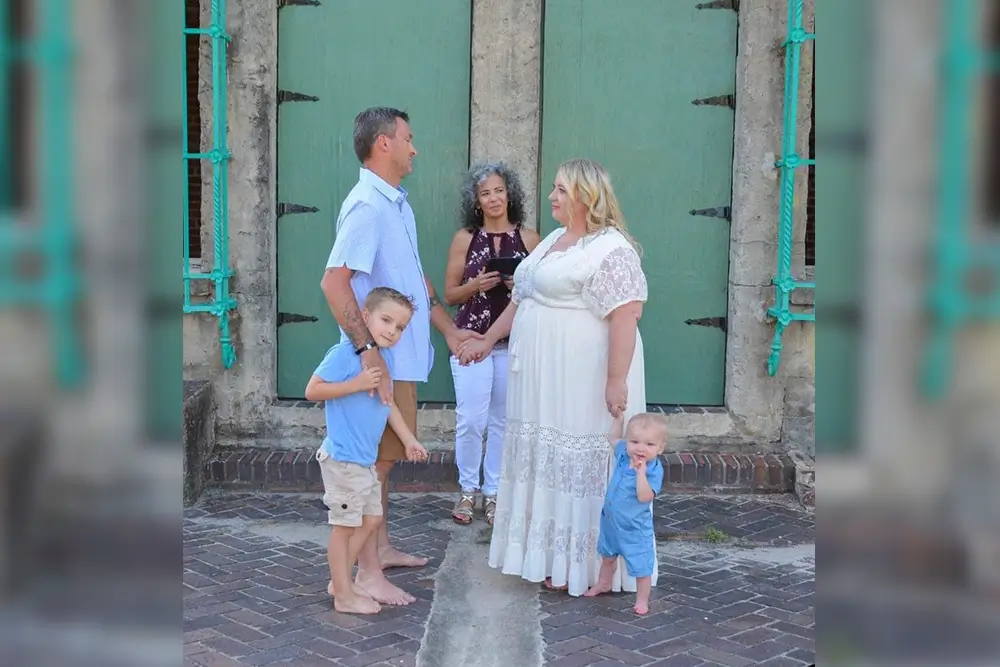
(556, 455)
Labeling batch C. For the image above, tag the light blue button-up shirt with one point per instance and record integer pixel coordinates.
(377, 239)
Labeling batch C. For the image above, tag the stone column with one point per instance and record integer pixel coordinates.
(98, 429)
(754, 399)
(246, 392)
(895, 426)
(506, 90)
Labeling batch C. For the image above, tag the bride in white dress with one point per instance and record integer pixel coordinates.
(575, 363)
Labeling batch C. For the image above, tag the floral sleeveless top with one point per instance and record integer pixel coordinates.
(482, 310)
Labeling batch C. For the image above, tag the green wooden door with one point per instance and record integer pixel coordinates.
(843, 80)
(619, 79)
(353, 54)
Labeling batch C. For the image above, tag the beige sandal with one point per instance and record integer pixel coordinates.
(465, 509)
(489, 508)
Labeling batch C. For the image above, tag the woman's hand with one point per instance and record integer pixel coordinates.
(616, 397)
(509, 283)
(473, 350)
(484, 282)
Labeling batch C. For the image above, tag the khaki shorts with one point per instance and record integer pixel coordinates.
(350, 491)
(391, 447)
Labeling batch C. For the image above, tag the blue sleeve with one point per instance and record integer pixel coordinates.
(335, 366)
(357, 240)
(621, 454)
(654, 475)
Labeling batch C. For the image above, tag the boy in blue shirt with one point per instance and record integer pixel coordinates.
(355, 420)
(627, 516)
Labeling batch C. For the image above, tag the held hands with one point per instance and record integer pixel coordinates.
(616, 397)
(415, 452)
(474, 350)
(458, 337)
(372, 359)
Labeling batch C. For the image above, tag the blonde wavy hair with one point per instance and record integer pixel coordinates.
(588, 182)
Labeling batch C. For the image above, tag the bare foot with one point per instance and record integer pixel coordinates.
(388, 558)
(551, 587)
(356, 604)
(383, 591)
(598, 589)
(641, 607)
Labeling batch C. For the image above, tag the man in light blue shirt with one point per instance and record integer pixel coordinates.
(376, 246)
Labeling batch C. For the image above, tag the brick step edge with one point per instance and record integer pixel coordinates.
(297, 470)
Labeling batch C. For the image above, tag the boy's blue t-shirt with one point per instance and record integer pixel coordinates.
(622, 498)
(354, 423)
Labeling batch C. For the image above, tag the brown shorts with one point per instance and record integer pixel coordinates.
(391, 447)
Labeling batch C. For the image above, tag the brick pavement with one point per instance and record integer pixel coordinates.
(255, 578)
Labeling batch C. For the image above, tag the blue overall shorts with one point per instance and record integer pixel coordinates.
(626, 523)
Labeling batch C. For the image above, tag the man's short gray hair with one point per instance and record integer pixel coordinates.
(370, 123)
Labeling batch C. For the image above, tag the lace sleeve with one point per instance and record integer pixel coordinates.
(618, 280)
(518, 292)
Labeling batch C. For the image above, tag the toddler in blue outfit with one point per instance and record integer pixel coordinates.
(627, 517)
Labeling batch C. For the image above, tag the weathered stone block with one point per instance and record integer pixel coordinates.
(198, 435)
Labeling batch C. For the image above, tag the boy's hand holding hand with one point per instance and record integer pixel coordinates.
(368, 379)
(415, 451)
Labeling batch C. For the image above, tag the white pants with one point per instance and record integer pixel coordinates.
(480, 405)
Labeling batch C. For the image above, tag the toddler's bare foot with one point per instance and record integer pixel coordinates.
(356, 604)
(641, 607)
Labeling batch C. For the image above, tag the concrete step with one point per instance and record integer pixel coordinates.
(296, 470)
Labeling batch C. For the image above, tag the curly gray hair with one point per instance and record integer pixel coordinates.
(471, 215)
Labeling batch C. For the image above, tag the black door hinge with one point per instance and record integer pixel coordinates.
(289, 96)
(716, 322)
(716, 101)
(719, 4)
(286, 209)
(290, 318)
(300, 3)
(724, 212)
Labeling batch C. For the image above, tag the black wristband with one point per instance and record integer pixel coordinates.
(368, 346)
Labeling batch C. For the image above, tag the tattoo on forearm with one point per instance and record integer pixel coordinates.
(355, 326)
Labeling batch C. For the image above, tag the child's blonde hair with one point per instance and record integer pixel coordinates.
(653, 419)
(380, 295)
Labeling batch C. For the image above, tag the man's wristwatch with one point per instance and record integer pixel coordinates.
(371, 345)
